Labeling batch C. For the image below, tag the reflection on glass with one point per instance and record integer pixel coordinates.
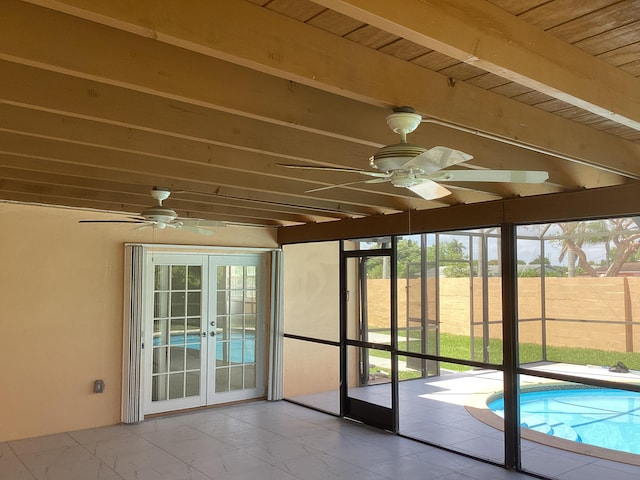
(193, 303)
(161, 304)
(160, 332)
(222, 328)
(192, 387)
(236, 380)
(249, 376)
(159, 387)
(177, 358)
(193, 330)
(222, 380)
(222, 353)
(236, 351)
(193, 358)
(223, 303)
(160, 359)
(162, 277)
(195, 276)
(222, 278)
(178, 304)
(177, 331)
(176, 385)
(178, 277)
(236, 303)
(237, 322)
(250, 324)
(249, 350)
(237, 277)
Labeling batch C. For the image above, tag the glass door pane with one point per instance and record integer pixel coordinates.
(177, 335)
(237, 324)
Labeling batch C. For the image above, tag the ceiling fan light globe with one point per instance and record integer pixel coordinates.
(403, 122)
(404, 179)
(160, 194)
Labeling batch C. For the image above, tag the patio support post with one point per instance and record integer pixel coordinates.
(509, 267)
(343, 330)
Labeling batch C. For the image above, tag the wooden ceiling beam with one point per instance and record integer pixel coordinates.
(204, 190)
(619, 200)
(155, 125)
(79, 197)
(481, 34)
(205, 172)
(183, 204)
(228, 31)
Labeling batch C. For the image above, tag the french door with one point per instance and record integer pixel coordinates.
(204, 330)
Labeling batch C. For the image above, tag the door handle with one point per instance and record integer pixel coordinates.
(204, 334)
(213, 333)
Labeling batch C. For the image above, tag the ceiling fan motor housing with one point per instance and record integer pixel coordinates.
(161, 215)
(393, 157)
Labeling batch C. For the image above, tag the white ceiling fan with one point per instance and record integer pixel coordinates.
(159, 216)
(419, 169)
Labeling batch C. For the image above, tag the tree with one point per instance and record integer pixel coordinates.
(409, 256)
(619, 237)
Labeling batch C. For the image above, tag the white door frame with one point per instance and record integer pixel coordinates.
(209, 263)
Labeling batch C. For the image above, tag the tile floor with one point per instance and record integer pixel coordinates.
(262, 440)
(285, 441)
(433, 410)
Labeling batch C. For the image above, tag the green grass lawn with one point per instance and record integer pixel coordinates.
(459, 346)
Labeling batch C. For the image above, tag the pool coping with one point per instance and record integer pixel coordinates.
(476, 405)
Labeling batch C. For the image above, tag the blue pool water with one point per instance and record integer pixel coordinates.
(596, 416)
(237, 346)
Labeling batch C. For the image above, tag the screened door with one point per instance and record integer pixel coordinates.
(370, 364)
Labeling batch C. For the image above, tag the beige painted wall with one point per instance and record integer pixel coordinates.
(61, 324)
(311, 309)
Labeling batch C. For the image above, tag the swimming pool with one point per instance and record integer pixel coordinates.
(237, 349)
(596, 416)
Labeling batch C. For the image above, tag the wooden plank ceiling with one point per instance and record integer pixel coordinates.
(101, 101)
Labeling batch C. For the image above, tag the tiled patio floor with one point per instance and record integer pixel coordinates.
(433, 410)
(284, 441)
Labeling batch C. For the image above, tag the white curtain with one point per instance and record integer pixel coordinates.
(276, 338)
(132, 335)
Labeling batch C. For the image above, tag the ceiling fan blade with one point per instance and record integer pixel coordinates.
(328, 187)
(111, 221)
(436, 159)
(379, 180)
(429, 190)
(200, 231)
(506, 176)
(200, 222)
(333, 169)
(318, 167)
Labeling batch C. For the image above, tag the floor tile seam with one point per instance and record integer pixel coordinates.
(313, 453)
(77, 444)
(102, 462)
(22, 462)
(178, 459)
